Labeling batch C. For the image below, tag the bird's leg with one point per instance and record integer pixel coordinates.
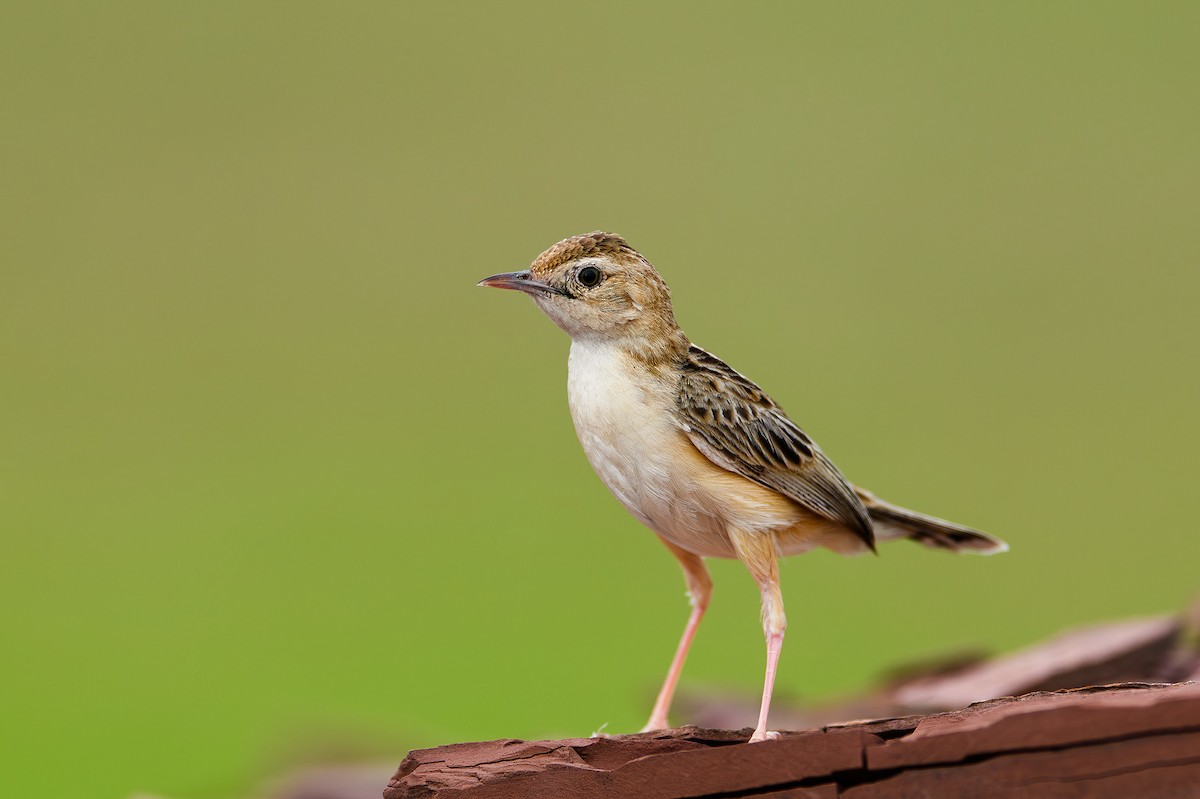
(758, 551)
(699, 590)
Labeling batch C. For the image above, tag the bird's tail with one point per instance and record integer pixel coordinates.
(891, 521)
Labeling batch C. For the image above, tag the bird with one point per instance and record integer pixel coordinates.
(697, 452)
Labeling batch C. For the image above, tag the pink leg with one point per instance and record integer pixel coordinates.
(758, 552)
(699, 589)
(774, 645)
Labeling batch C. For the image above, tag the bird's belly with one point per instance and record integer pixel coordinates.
(635, 446)
(648, 481)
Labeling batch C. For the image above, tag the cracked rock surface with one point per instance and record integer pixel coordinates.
(1128, 740)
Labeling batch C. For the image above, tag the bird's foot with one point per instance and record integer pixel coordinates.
(763, 735)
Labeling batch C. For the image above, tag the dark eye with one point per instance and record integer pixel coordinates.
(590, 276)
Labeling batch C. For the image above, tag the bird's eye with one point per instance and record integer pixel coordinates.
(590, 276)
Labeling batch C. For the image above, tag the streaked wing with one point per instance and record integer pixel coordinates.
(739, 428)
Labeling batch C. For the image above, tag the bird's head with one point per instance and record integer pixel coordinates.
(596, 286)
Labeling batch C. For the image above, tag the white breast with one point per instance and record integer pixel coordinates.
(624, 417)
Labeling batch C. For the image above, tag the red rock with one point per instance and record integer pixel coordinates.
(1120, 740)
(1124, 651)
(1043, 721)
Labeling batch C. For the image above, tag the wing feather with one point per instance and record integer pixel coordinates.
(739, 428)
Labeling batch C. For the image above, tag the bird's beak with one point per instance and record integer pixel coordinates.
(518, 281)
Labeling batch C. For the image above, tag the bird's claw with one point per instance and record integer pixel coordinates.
(765, 735)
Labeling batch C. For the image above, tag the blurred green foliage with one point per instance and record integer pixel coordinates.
(273, 469)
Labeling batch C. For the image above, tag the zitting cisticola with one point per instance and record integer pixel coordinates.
(694, 450)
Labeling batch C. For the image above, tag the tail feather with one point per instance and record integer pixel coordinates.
(891, 521)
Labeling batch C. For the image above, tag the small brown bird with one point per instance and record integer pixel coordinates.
(694, 450)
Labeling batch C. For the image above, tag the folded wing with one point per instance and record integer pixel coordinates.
(739, 428)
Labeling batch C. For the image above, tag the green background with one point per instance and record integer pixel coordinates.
(276, 478)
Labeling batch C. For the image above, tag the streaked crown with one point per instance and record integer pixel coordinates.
(596, 243)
